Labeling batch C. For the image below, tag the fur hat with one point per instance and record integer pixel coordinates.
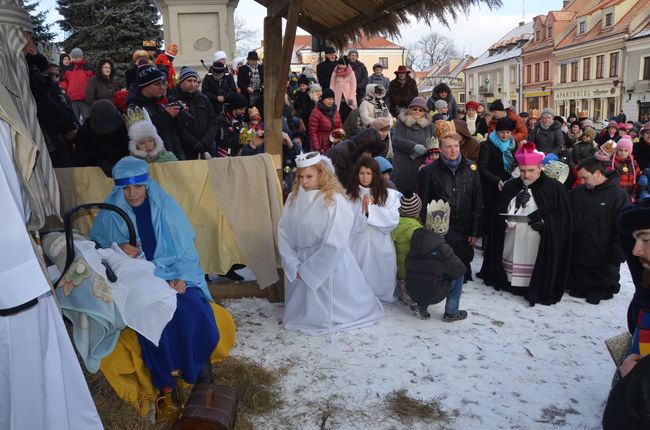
(410, 205)
(444, 128)
(528, 155)
(591, 132)
(438, 212)
(497, 105)
(625, 142)
(141, 127)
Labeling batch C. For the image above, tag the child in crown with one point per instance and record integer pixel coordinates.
(144, 141)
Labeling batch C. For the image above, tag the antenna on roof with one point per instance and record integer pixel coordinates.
(523, 10)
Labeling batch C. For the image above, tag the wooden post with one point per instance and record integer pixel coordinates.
(272, 81)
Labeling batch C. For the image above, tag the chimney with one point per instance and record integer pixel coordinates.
(521, 23)
(565, 3)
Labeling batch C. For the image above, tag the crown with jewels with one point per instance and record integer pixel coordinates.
(557, 170)
(149, 44)
(438, 216)
(308, 159)
(134, 115)
(443, 128)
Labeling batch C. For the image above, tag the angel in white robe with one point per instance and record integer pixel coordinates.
(376, 214)
(325, 291)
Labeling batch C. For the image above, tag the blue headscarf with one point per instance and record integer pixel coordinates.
(176, 256)
(506, 148)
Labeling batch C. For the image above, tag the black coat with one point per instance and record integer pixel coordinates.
(492, 170)
(169, 128)
(227, 138)
(213, 87)
(102, 150)
(628, 405)
(431, 265)
(642, 153)
(595, 222)
(551, 270)
(200, 122)
(303, 104)
(549, 140)
(401, 96)
(324, 71)
(244, 81)
(361, 73)
(450, 99)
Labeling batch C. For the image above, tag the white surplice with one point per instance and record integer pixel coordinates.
(372, 245)
(520, 246)
(41, 383)
(332, 294)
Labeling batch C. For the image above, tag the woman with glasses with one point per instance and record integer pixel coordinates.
(414, 128)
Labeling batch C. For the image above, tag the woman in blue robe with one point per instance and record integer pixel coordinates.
(165, 237)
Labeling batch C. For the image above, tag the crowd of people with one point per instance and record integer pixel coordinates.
(388, 193)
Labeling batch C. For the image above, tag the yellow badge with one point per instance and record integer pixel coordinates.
(472, 166)
(625, 169)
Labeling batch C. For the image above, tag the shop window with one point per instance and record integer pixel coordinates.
(600, 66)
(585, 104)
(462, 97)
(586, 69)
(613, 64)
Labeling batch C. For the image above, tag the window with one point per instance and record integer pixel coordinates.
(499, 77)
(585, 105)
(611, 106)
(609, 19)
(533, 103)
(537, 67)
(597, 109)
(549, 32)
(613, 64)
(646, 68)
(586, 69)
(546, 70)
(529, 69)
(471, 81)
(574, 71)
(582, 27)
(462, 97)
(384, 62)
(563, 73)
(538, 35)
(600, 66)
(513, 74)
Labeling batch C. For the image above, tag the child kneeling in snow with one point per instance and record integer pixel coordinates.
(144, 142)
(428, 269)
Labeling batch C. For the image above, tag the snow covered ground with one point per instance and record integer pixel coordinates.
(508, 366)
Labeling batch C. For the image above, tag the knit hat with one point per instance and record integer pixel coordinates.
(328, 93)
(587, 123)
(419, 102)
(236, 101)
(497, 105)
(633, 219)
(548, 111)
(218, 67)
(104, 118)
(379, 123)
(148, 74)
(411, 205)
(303, 80)
(187, 72)
(220, 56)
(504, 124)
(314, 88)
(621, 126)
(523, 115)
(471, 105)
(353, 51)
(440, 104)
(76, 53)
(384, 164)
(252, 55)
(625, 143)
(377, 65)
(528, 155)
(612, 124)
(591, 132)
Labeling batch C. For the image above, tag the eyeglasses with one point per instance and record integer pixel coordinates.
(417, 110)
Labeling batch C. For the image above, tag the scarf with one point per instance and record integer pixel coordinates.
(379, 106)
(452, 164)
(545, 127)
(343, 73)
(328, 111)
(471, 124)
(506, 150)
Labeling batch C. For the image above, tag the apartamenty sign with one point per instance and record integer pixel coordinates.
(586, 93)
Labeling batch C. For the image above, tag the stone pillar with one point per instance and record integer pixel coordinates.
(199, 27)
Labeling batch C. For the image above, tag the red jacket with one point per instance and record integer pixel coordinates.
(519, 133)
(75, 80)
(320, 128)
(630, 172)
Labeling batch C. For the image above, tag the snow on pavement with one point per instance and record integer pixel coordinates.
(508, 366)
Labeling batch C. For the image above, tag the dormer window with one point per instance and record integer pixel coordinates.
(549, 32)
(582, 27)
(609, 19)
(538, 35)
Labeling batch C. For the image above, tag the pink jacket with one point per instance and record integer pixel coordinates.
(344, 87)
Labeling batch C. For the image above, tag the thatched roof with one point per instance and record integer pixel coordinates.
(341, 21)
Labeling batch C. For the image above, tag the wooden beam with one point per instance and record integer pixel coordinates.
(287, 50)
(278, 8)
(272, 80)
(356, 22)
(366, 7)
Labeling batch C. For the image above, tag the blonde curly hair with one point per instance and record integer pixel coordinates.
(328, 183)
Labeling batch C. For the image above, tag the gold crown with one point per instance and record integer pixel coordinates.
(444, 128)
(438, 216)
(583, 114)
(172, 49)
(150, 44)
(534, 113)
(133, 115)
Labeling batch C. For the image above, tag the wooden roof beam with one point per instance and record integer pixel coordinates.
(278, 8)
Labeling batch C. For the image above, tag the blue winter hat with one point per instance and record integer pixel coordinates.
(549, 157)
(148, 74)
(130, 171)
(384, 164)
(187, 72)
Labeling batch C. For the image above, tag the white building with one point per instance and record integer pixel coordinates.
(636, 97)
(496, 73)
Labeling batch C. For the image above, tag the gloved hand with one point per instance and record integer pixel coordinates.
(522, 199)
(418, 151)
(200, 147)
(538, 225)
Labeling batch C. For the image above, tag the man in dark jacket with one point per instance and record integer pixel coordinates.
(217, 85)
(147, 93)
(443, 92)
(499, 111)
(401, 91)
(547, 134)
(455, 180)
(642, 147)
(597, 254)
(361, 73)
(325, 68)
(345, 154)
(230, 123)
(201, 125)
(250, 81)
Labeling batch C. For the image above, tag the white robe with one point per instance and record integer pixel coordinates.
(331, 294)
(41, 383)
(372, 245)
(520, 246)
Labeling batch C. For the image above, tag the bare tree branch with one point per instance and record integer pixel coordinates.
(431, 49)
(245, 39)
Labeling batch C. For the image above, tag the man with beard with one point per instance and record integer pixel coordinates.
(597, 254)
(528, 251)
(628, 405)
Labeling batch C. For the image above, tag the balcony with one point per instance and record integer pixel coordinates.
(485, 90)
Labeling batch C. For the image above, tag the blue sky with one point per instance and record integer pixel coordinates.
(472, 34)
